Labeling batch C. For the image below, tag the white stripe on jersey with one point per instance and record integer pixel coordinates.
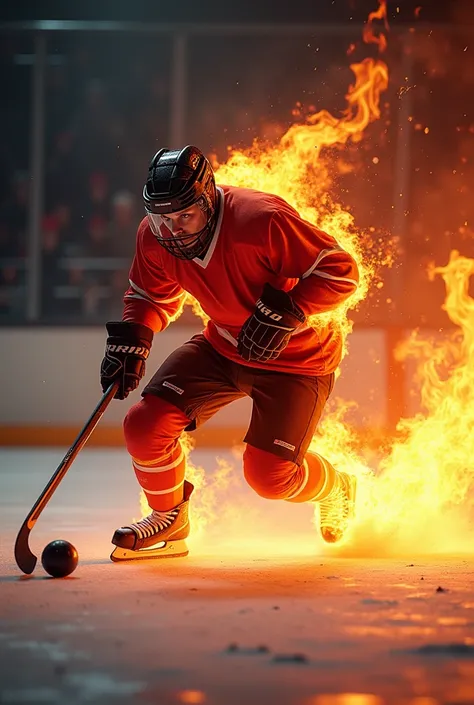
(142, 294)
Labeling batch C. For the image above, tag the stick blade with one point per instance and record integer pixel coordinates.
(25, 559)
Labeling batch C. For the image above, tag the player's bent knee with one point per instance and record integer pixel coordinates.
(150, 420)
(267, 474)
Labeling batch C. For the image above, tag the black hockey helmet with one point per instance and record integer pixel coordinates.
(176, 180)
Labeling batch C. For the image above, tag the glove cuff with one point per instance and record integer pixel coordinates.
(282, 302)
(130, 330)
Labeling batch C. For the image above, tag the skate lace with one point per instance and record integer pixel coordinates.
(156, 521)
(333, 510)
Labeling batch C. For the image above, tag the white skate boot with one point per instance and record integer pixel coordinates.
(159, 535)
(337, 510)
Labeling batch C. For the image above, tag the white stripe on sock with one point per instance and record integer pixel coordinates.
(170, 489)
(160, 468)
(326, 478)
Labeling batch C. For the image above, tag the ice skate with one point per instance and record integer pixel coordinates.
(337, 510)
(159, 535)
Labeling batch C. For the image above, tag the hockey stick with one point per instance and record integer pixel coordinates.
(25, 559)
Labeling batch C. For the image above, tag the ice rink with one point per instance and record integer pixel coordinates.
(258, 613)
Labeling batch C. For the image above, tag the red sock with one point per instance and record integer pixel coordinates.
(162, 479)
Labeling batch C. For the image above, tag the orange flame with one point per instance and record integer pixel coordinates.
(369, 35)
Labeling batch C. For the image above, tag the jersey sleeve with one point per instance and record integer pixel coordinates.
(327, 274)
(153, 298)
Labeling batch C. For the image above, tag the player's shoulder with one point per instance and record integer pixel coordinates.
(254, 205)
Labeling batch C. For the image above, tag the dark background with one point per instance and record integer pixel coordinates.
(327, 11)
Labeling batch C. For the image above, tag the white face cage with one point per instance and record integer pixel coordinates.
(186, 246)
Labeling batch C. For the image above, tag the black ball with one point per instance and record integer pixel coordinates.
(59, 558)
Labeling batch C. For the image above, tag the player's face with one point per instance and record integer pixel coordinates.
(186, 222)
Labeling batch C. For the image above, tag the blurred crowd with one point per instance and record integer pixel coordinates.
(86, 248)
(97, 144)
(106, 113)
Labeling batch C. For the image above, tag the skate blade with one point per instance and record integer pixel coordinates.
(169, 549)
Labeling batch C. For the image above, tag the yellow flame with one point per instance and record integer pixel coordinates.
(196, 308)
(420, 500)
(345, 699)
(297, 169)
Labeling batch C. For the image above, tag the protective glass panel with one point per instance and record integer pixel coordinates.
(16, 61)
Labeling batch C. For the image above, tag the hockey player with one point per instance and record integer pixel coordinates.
(258, 271)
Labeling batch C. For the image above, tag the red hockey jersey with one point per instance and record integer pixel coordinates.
(259, 238)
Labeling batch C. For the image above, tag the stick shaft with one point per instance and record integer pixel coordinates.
(25, 559)
(70, 456)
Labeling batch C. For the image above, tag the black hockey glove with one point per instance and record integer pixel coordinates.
(127, 348)
(267, 332)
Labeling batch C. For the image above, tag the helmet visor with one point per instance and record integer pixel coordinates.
(186, 246)
(155, 221)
